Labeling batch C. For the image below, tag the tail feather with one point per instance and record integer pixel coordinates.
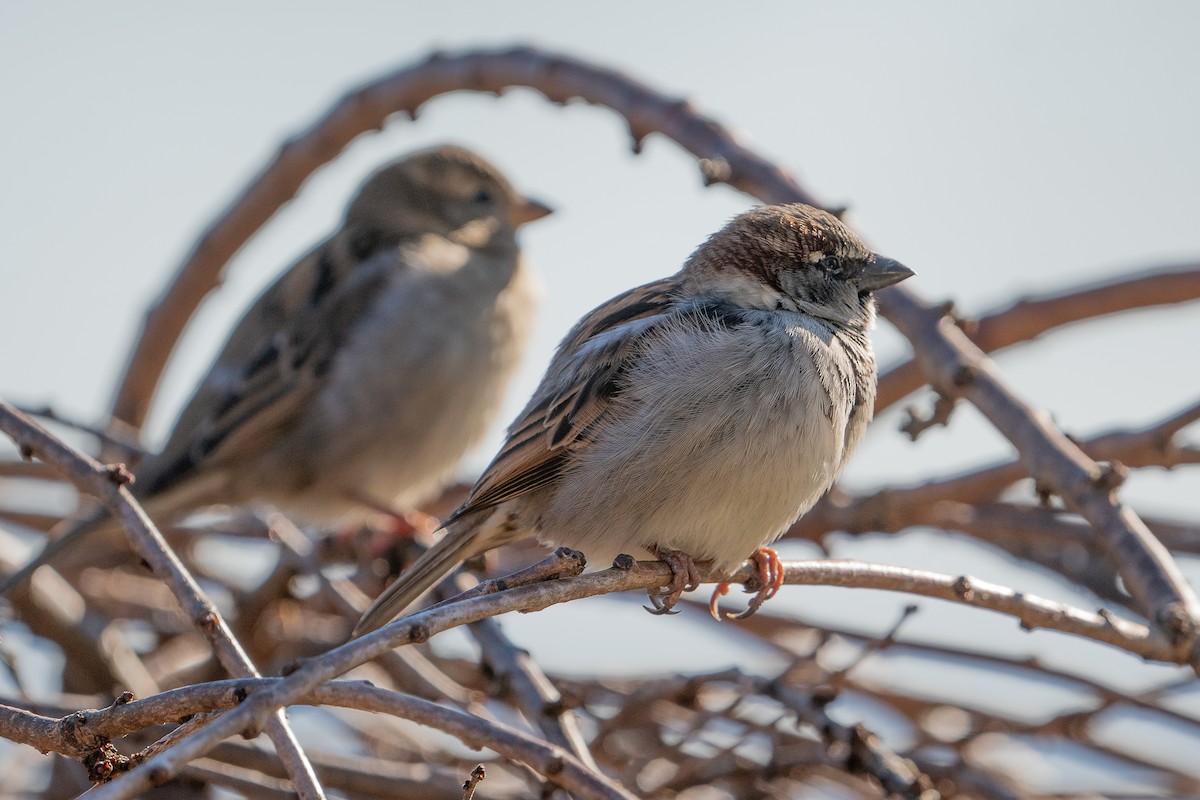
(433, 565)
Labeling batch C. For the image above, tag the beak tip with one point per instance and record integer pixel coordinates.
(531, 210)
(883, 272)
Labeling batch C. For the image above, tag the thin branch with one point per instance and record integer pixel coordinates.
(554, 763)
(107, 484)
(536, 696)
(1033, 612)
(958, 368)
(1031, 317)
(895, 508)
(27, 470)
(31, 520)
(116, 435)
(477, 776)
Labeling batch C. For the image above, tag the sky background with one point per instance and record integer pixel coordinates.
(998, 149)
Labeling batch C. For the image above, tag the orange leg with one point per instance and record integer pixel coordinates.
(396, 526)
(684, 578)
(770, 578)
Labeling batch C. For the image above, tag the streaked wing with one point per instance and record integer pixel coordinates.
(274, 362)
(577, 391)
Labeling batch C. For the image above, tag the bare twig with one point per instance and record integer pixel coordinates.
(536, 695)
(555, 764)
(1032, 611)
(1029, 318)
(477, 776)
(107, 484)
(895, 508)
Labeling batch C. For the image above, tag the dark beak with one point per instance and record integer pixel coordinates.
(882, 272)
(530, 210)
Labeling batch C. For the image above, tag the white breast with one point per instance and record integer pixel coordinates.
(419, 385)
(720, 441)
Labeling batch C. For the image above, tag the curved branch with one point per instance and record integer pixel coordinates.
(554, 763)
(107, 484)
(894, 508)
(1033, 612)
(368, 108)
(1029, 318)
(958, 368)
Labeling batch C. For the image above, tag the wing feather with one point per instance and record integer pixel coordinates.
(577, 391)
(275, 362)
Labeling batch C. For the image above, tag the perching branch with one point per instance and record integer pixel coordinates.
(1033, 612)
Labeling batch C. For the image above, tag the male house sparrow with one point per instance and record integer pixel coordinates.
(365, 372)
(695, 417)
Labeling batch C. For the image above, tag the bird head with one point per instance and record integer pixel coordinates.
(793, 257)
(448, 191)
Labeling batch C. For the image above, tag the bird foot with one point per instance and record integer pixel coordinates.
(395, 527)
(770, 578)
(685, 577)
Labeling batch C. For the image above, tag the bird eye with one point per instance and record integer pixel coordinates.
(483, 197)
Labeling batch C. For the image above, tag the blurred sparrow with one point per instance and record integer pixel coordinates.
(693, 418)
(366, 371)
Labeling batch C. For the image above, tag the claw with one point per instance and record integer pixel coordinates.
(770, 578)
(684, 578)
(721, 590)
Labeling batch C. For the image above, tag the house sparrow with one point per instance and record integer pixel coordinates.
(366, 371)
(692, 418)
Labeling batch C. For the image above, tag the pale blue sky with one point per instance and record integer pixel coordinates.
(998, 149)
